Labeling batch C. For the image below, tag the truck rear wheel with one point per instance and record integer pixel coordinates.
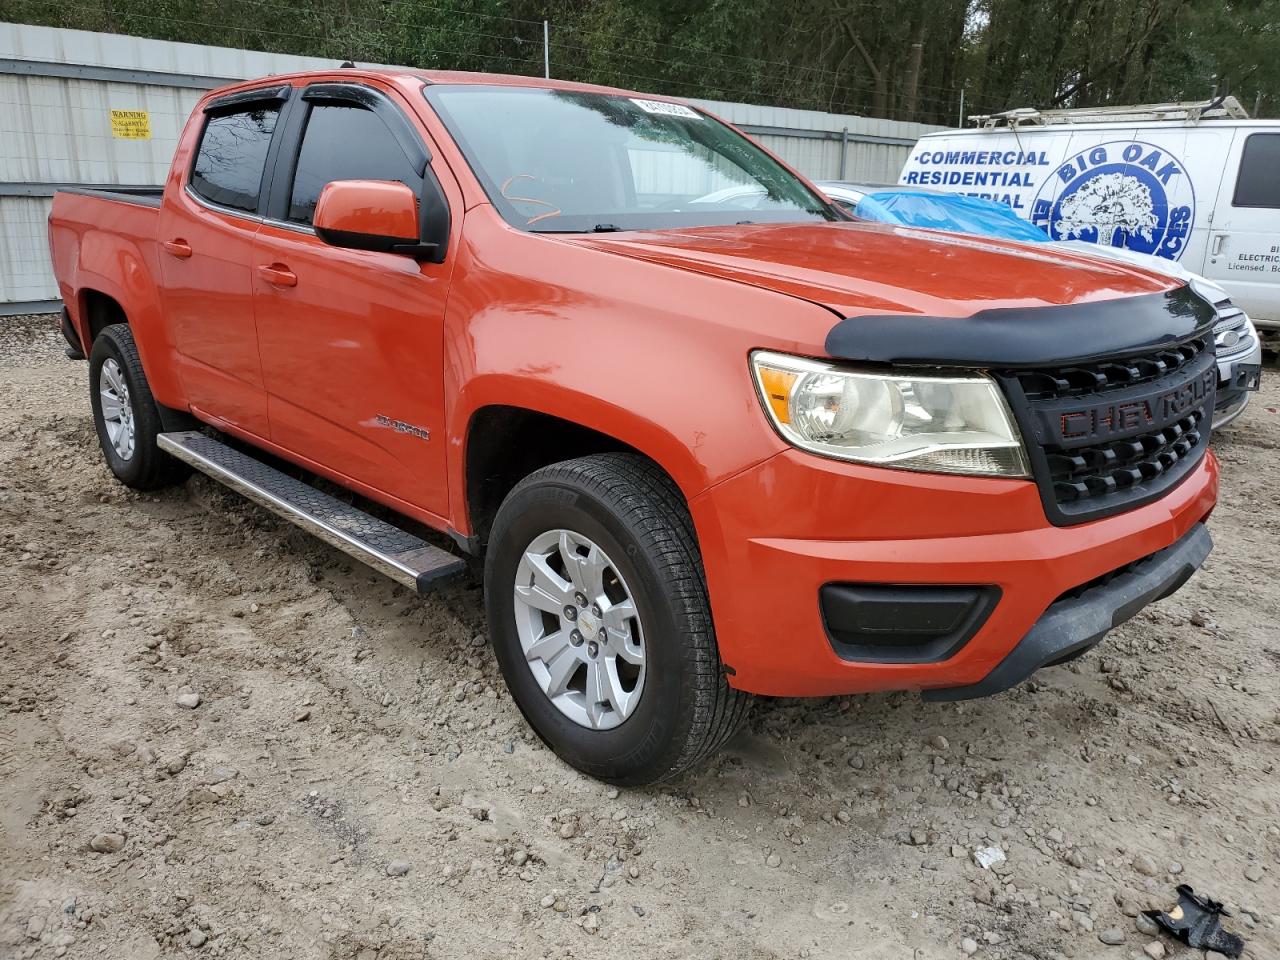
(126, 415)
(598, 611)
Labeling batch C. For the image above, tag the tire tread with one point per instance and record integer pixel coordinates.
(649, 503)
(154, 468)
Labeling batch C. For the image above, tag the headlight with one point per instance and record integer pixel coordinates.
(943, 424)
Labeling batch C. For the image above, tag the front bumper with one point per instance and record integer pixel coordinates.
(774, 535)
(1075, 623)
(1233, 393)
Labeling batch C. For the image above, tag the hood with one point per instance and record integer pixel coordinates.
(861, 268)
(1148, 261)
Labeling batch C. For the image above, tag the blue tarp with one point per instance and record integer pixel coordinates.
(948, 211)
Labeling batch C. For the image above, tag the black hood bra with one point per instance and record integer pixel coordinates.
(1012, 337)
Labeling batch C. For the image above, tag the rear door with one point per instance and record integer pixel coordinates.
(352, 340)
(206, 230)
(1243, 252)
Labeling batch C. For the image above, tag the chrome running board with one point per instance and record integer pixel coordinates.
(397, 553)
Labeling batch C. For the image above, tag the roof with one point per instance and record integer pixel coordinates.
(455, 77)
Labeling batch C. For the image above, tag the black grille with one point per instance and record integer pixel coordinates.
(1082, 379)
(1110, 435)
(1107, 468)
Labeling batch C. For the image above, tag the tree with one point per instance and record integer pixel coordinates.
(903, 59)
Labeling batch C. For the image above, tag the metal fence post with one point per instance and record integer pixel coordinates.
(546, 49)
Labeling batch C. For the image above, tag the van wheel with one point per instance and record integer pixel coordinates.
(598, 612)
(126, 415)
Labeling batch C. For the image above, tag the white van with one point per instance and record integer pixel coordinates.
(1198, 183)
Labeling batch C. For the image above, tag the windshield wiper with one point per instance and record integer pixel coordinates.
(607, 228)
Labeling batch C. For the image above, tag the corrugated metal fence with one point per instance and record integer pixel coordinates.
(93, 109)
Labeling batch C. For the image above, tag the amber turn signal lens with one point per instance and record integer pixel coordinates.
(777, 386)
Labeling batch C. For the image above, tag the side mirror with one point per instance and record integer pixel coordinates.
(370, 215)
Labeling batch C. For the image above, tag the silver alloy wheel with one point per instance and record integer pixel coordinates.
(117, 412)
(579, 629)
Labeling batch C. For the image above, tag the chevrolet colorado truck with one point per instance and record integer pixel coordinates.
(705, 453)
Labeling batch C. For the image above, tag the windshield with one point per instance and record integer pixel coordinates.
(561, 161)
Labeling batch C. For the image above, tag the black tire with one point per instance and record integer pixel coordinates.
(147, 467)
(634, 512)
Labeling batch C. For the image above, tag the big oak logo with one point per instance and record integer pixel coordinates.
(1125, 193)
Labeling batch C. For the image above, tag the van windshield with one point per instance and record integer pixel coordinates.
(568, 162)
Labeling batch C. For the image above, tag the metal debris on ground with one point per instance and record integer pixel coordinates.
(1194, 921)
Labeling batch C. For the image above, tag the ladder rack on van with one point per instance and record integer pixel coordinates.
(1191, 112)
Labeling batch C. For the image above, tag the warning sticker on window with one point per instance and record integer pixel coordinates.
(131, 124)
(664, 108)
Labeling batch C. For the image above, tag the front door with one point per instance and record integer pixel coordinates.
(352, 340)
(1244, 240)
(206, 232)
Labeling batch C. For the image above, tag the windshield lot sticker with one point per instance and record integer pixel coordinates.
(1125, 193)
(666, 109)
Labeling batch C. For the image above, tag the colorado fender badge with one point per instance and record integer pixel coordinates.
(422, 433)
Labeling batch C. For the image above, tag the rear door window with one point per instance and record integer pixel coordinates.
(345, 142)
(232, 156)
(1258, 184)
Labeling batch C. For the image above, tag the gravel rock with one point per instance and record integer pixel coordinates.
(773, 860)
(1253, 873)
(988, 857)
(107, 843)
(397, 868)
(1145, 925)
(1112, 936)
(188, 700)
(1155, 950)
(969, 946)
(1146, 866)
(198, 938)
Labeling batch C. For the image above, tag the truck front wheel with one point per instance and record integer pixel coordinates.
(598, 611)
(126, 415)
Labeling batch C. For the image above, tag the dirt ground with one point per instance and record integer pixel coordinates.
(355, 782)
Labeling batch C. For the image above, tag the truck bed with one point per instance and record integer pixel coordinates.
(100, 239)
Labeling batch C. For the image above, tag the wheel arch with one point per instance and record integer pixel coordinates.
(116, 282)
(98, 310)
(504, 443)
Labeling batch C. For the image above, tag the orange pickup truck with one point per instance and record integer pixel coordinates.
(706, 447)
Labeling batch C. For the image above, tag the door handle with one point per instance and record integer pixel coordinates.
(178, 248)
(1217, 244)
(277, 274)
